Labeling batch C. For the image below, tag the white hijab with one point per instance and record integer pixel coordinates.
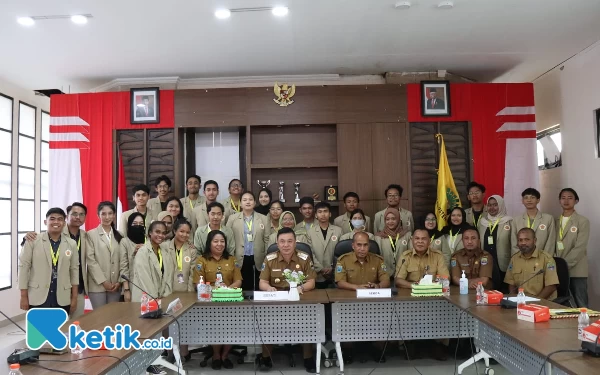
(489, 220)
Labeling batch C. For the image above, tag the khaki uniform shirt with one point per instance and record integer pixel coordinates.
(103, 260)
(150, 217)
(574, 241)
(503, 239)
(261, 230)
(343, 221)
(202, 234)
(229, 210)
(274, 265)
(478, 264)
(82, 247)
(521, 268)
(412, 266)
(544, 228)
(302, 226)
(127, 250)
(450, 245)
(189, 206)
(188, 260)
(208, 268)
(406, 217)
(391, 253)
(471, 216)
(349, 269)
(323, 247)
(148, 275)
(155, 205)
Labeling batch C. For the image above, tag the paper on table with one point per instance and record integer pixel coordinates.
(527, 299)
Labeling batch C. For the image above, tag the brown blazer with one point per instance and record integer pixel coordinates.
(151, 215)
(189, 205)
(83, 250)
(103, 260)
(147, 273)
(188, 260)
(471, 218)
(391, 255)
(323, 247)
(544, 228)
(503, 242)
(262, 231)
(449, 249)
(575, 242)
(406, 217)
(343, 221)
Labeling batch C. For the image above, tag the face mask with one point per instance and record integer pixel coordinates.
(137, 234)
(357, 223)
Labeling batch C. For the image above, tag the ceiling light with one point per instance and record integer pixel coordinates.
(79, 19)
(280, 11)
(402, 5)
(223, 14)
(26, 21)
(446, 5)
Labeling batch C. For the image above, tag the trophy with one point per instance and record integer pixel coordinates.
(296, 192)
(263, 184)
(281, 198)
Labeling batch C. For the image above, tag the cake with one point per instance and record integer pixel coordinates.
(224, 294)
(426, 290)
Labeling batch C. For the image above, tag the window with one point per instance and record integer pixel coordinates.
(549, 148)
(45, 166)
(6, 124)
(26, 170)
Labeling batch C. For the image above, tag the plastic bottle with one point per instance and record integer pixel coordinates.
(144, 308)
(445, 286)
(208, 292)
(521, 298)
(77, 349)
(464, 284)
(201, 287)
(15, 369)
(582, 322)
(480, 293)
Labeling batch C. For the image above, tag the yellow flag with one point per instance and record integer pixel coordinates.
(447, 195)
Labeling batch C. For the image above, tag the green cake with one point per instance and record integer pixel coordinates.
(428, 290)
(227, 295)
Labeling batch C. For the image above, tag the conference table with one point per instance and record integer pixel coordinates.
(518, 345)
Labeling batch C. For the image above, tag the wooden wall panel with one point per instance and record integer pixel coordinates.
(456, 137)
(160, 157)
(131, 144)
(366, 104)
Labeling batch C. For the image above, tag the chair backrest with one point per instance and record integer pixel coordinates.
(345, 246)
(299, 246)
(562, 269)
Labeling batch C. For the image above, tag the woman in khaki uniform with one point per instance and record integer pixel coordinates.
(175, 208)
(275, 211)
(104, 258)
(393, 240)
(288, 220)
(358, 223)
(167, 219)
(216, 263)
(129, 246)
(429, 222)
(452, 233)
(233, 202)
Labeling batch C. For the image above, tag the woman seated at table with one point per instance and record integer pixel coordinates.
(216, 263)
(358, 223)
(429, 222)
(288, 220)
(393, 240)
(129, 246)
(264, 201)
(452, 233)
(167, 219)
(275, 212)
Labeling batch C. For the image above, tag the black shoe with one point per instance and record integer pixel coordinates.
(348, 358)
(227, 363)
(154, 370)
(216, 364)
(187, 357)
(171, 358)
(164, 353)
(264, 363)
(310, 365)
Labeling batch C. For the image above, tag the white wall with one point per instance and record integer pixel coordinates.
(569, 97)
(10, 297)
(218, 158)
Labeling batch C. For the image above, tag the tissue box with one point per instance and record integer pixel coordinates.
(590, 333)
(533, 313)
(492, 297)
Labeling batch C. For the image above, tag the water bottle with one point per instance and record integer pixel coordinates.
(445, 287)
(208, 292)
(77, 349)
(200, 288)
(521, 298)
(582, 322)
(15, 369)
(144, 308)
(464, 284)
(480, 293)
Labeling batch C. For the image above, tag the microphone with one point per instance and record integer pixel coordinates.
(155, 314)
(21, 356)
(506, 304)
(394, 288)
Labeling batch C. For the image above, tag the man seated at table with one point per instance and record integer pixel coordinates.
(360, 269)
(273, 279)
(477, 263)
(419, 261)
(529, 261)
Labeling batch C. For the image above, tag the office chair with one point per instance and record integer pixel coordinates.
(564, 293)
(304, 247)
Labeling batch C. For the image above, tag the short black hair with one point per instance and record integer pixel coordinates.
(248, 192)
(280, 203)
(421, 229)
(394, 186)
(77, 204)
(569, 190)
(531, 191)
(235, 179)
(111, 205)
(211, 182)
(141, 187)
(322, 205)
(194, 176)
(154, 224)
(351, 194)
(212, 234)
(170, 199)
(473, 229)
(285, 230)
(526, 230)
(180, 222)
(307, 200)
(474, 184)
(56, 210)
(213, 205)
(162, 178)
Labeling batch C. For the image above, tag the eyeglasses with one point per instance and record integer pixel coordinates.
(475, 192)
(236, 185)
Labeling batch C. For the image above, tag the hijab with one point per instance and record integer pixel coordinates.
(136, 233)
(489, 220)
(299, 231)
(264, 209)
(456, 228)
(435, 233)
(160, 217)
(387, 232)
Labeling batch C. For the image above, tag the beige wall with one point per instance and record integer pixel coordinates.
(569, 97)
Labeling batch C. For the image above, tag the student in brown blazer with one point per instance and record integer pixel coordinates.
(393, 193)
(571, 244)
(175, 208)
(128, 247)
(323, 238)
(393, 240)
(49, 267)
(140, 197)
(184, 253)
(232, 203)
(475, 195)
(193, 199)
(104, 258)
(162, 185)
(351, 201)
(251, 231)
(211, 192)
(542, 224)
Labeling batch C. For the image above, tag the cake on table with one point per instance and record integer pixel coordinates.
(426, 290)
(224, 294)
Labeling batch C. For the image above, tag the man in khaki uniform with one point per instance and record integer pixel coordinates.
(233, 202)
(527, 263)
(215, 213)
(421, 260)
(272, 279)
(49, 268)
(475, 195)
(360, 269)
(307, 209)
(323, 238)
(478, 264)
(393, 194)
(162, 185)
(542, 224)
(211, 192)
(351, 201)
(193, 198)
(140, 197)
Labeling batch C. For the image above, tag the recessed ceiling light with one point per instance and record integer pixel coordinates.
(26, 21)
(402, 5)
(79, 19)
(446, 5)
(223, 14)
(280, 11)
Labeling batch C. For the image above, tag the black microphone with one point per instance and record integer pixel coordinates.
(156, 314)
(506, 304)
(394, 289)
(21, 356)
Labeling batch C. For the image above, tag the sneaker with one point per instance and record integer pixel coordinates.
(310, 365)
(154, 370)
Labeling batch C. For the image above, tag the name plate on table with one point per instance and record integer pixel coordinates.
(271, 296)
(374, 293)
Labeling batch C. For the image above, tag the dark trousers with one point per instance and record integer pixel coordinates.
(47, 306)
(250, 276)
(579, 290)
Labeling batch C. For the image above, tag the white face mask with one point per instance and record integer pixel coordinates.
(357, 223)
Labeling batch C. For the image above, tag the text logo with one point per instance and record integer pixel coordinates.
(43, 326)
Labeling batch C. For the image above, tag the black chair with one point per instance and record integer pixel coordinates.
(564, 293)
(304, 247)
(345, 246)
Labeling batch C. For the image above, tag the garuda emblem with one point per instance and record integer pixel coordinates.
(284, 94)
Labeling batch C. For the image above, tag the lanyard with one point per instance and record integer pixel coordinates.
(249, 225)
(79, 242)
(179, 254)
(191, 205)
(236, 209)
(476, 221)
(432, 237)
(562, 227)
(492, 228)
(453, 238)
(529, 223)
(55, 255)
(160, 260)
(394, 243)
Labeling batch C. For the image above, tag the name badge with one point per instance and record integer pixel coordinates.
(180, 278)
(374, 293)
(250, 237)
(490, 240)
(560, 246)
(271, 296)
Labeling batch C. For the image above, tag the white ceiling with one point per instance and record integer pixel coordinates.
(486, 40)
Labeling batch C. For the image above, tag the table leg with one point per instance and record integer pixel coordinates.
(318, 358)
(338, 350)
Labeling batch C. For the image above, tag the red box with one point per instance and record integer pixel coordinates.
(492, 297)
(533, 313)
(590, 333)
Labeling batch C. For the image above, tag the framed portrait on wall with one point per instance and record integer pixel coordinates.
(145, 107)
(435, 98)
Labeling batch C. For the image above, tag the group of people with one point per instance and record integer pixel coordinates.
(165, 244)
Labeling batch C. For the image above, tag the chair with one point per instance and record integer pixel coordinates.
(564, 293)
(345, 246)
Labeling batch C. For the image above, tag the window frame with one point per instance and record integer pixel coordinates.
(12, 159)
